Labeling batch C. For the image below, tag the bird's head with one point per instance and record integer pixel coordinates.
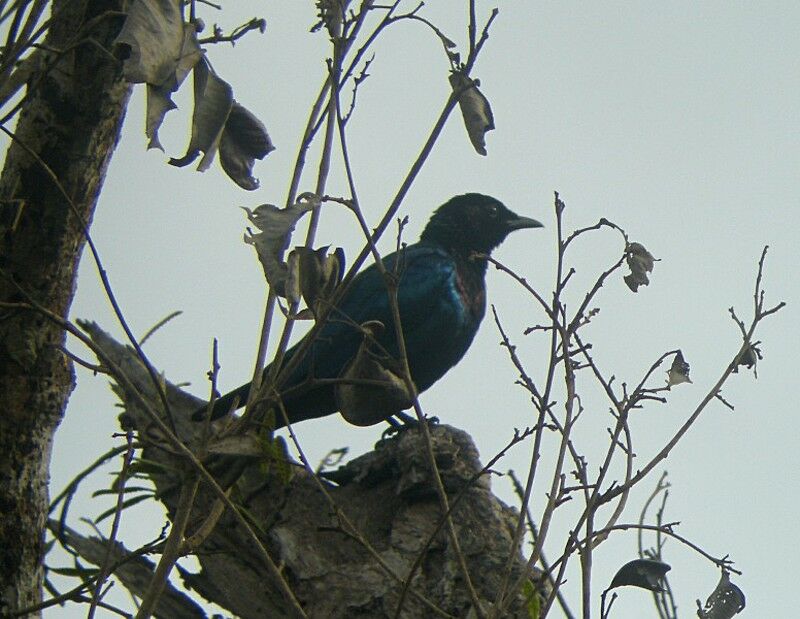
(473, 222)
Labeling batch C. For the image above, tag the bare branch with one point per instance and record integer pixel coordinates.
(237, 33)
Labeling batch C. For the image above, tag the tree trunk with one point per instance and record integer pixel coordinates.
(67, 130)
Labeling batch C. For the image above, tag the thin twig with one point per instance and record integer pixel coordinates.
(158, 325)
(710, 395)
(667, 529)
(237, 33)
(544, 404)
(520, 492)
(74, 594)
(172, 546)
(106, 565)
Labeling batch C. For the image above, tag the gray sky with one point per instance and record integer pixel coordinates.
(678, 121)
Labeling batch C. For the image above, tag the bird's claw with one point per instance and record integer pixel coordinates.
(403, 423)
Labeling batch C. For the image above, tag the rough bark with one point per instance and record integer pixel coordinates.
(70, 123)
(387, 495)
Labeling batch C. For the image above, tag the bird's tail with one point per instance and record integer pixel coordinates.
(224, 404)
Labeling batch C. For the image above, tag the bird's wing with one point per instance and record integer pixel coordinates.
(438, 326)
(427, 300)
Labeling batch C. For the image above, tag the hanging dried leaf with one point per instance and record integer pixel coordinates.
(159, 96)
(317, 274)
(749, 358)
(724, 602)
(475, 110)
(642, 573)
(640, 262)
(244, 140)
(159, 102)
(276, 225)
(157, 48)
(213, 99)
(331, 13)
(361, 401)
(292, 285)
(679, 371)
(150, 41)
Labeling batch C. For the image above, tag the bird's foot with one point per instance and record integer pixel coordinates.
(403, 423)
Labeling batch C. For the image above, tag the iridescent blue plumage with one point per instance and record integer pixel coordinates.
(441, 301)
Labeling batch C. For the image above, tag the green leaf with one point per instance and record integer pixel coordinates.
(125, 505)
(533, 599)
(126, 490)
(148, 468)
(276, 456)
(79, 572)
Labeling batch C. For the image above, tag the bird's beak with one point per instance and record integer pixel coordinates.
(518, 223)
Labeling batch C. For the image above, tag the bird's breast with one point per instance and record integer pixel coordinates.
(471, 293)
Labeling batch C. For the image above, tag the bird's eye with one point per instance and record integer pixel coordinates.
(494, 211)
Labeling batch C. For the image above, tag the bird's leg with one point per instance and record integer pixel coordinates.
(401, 422)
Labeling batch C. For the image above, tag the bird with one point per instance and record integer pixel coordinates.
(441, 297)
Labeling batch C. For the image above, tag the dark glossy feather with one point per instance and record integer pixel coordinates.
(441, 301)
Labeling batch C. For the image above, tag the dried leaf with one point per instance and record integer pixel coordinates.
(361, 401)
(276, 225)
(244, 140)
(749, 358)
(475, 110)
(640, 262)
(292, 284)
(331, 13)
(317, 274)
(159, 49)
(679, 371)
(302, 271)
(642, 573)
(213, 99)
(724, 602)
(159, 99)
(150, 41)
(246, 445)
(304, 314)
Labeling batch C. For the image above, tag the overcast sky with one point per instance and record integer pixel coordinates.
(676, 120)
